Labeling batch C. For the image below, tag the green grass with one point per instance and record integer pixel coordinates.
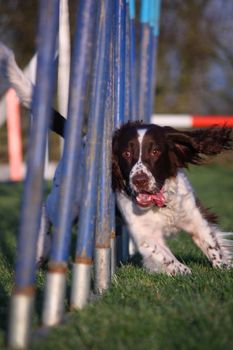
(142, 310)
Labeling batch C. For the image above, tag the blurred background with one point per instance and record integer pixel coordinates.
(195, 56)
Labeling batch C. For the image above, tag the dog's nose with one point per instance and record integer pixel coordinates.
(140, 180)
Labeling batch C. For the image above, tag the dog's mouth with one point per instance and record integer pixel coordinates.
(146, 200)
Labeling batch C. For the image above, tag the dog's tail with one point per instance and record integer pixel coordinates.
(14, 76)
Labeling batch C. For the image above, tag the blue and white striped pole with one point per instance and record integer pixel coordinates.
(154, 36)
(131, 55)
(130, 101)
(149, 18)
(23, 292)
(103, 223)
(144, 59)
(80, 288)
(55, 291)
(119, 61)
(119, 46)
(121, 109)
(127, 109)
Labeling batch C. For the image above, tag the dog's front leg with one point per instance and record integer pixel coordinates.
(157, 257)
(207, 236)
(213, 244)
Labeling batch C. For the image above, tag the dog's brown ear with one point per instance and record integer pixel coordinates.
(117, 178)
(213, 140)
(191, 146)
(183, 148)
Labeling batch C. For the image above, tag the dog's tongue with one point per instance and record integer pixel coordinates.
(145, 200)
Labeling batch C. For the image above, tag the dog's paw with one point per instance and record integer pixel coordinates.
(177, 269)
(170, 268)
(223, 265)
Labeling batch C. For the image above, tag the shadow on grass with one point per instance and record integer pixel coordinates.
(191, 259)
(188, 259)
(135, 260)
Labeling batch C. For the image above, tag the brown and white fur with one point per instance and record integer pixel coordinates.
(155, 197)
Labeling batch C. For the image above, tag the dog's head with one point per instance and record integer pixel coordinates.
(145, 155)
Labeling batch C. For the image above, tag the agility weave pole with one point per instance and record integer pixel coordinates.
(85, 237)
(100, 43)
(121, 98)
(149, 32)
(23, 292)
(56, 277)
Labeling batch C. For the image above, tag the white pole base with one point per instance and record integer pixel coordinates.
(21, 308)
(54, 299)
(102, 269)
(81, 285)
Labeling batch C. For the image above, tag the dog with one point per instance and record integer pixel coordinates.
(153, 193)
(155, 197)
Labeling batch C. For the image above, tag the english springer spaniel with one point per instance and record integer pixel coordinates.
(152, 190)
(155, 197)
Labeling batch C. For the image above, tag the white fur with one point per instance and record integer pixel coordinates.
(141, 134)
(149, 228)
(139, 167)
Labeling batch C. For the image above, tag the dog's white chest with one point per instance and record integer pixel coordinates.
(158, 221)
(153, 221)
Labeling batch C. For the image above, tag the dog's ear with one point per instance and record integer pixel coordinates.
(117, 178)
(182, 147)
(191, 146)
(213, 140)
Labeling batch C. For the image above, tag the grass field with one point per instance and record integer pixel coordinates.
(141, 310)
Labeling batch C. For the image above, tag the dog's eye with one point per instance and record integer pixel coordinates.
(155, 152)
(126, 154)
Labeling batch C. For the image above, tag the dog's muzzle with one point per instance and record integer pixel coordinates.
(141, 182)
(146, 195)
